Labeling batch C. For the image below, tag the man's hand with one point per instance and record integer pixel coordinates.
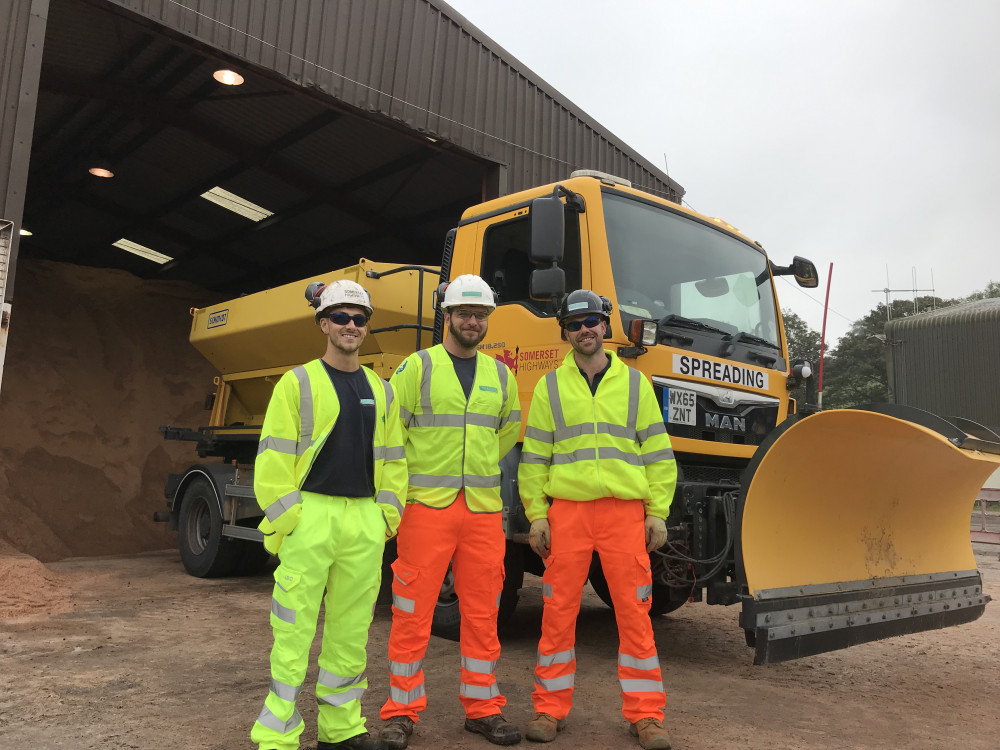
(656, 533)
(540, 537)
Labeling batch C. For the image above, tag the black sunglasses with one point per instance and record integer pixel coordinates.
(575, 325)
(342, 319)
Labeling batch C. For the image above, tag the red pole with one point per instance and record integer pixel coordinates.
(822, 338)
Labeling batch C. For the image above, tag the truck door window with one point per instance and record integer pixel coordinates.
(507, 265)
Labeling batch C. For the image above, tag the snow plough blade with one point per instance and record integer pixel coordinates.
(855, 527)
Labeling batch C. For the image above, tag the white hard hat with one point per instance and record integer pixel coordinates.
(343, 292)
(468, 289)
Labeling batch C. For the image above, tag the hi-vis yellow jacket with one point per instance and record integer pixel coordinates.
(452, 444)
(300, 417)
(579, 446)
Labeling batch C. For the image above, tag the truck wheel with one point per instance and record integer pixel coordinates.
(662, 603)
(204, 551)
(253, 559)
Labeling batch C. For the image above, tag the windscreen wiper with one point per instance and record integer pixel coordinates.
(751, 339)
(679, 321)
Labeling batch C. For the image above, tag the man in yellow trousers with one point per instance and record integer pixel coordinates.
(330, 476)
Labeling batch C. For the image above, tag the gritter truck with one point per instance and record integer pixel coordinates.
(826, 528)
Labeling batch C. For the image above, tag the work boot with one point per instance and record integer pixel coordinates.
(651, 734)
(396, 732)
(543, 728)
(362, 741)
(495, 728)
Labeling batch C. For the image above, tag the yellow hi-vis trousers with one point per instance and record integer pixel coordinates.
(337, 545)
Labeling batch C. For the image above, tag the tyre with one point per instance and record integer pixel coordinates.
(204, 551)
(661, 604)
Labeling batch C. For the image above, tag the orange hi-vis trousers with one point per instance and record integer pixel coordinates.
(615, 529)
(430, 538)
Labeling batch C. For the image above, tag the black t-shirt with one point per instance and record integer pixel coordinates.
(465, 369)
(345, 465)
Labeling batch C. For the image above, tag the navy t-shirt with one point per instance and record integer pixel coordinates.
(465, 369)
(345, 465)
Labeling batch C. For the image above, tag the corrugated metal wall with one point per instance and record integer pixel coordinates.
(22, 31)
(421, 64)
(948, 361)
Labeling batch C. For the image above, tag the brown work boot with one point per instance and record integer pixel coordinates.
(543, 728)
(495, 728)
(651, 734)
(396, 732)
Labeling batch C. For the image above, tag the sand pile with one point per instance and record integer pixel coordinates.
(97, 360)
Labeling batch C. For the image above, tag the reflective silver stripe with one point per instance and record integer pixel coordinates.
(403, 669)
(395, 453)
(561, 657)
(278, 445)
(305, 408)
(498, 600)
(483, 420)
(480, 666)
(616, 430)
(514, 416)
(435, 481)
(607, 453)
(488, 482)
(339, 699)
(285, 692)
(556, 683)
(275, 724)
(543, 436)
(657, 428)
(580, 454)
(527, 457)
(651, 662)
(405, 697)
(335, 681)
(438, 420)
(634, 380)
(547, 590)
(425, 381)
(283, 503)
(402, 604)
(502, 374)
(389, 395)
(573, 431)
(406, 415)
(479, 692)
(552, 386)
(667, 454)
(642, 592)
(388, 497)
(286, 614)
(641, 686)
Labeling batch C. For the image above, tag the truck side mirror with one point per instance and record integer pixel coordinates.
(548, 226)
(805, 272)
(547, 283)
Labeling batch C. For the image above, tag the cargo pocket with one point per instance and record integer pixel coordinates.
(283, 610)
(643, 580)
(403, 590)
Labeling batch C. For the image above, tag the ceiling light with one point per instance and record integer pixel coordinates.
(142, 251)
(228, 77)
(236, 204)
(101, 171)
(24, 232)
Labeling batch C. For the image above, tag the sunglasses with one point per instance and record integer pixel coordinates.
(575, 325)
(342, 319)
(466, 314)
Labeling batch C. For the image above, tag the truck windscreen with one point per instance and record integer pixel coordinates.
(665, 263)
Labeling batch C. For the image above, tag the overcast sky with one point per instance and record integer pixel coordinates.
(863, 133)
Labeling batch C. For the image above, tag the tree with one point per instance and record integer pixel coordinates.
(803, 343)
(992, 290)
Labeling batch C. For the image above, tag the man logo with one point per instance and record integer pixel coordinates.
(727, 398)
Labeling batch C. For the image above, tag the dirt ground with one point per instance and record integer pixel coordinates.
(130, 652)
